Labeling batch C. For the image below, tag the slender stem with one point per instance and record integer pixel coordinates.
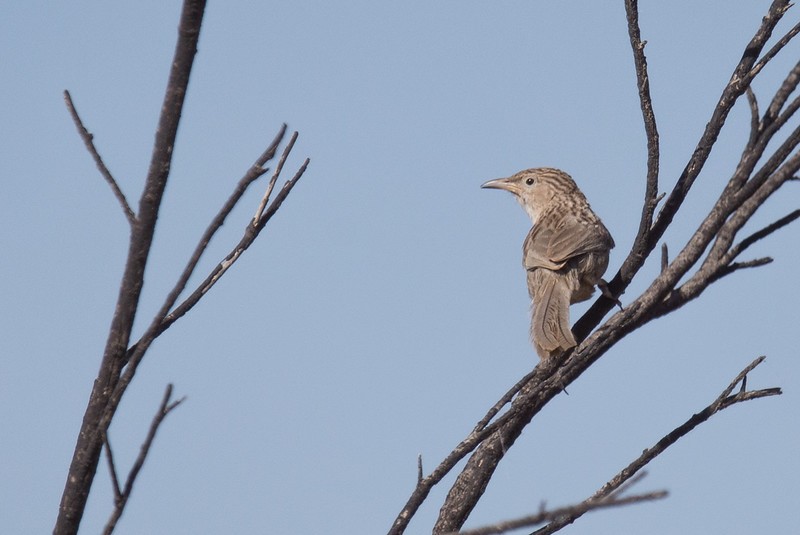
(98, 412)
(88, 140)
(723, 401)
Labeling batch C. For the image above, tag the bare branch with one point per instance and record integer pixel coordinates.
(723, 401)
(122, 499)
(102, 405)
(255, 171)
(782, 95)
(539, 376)
(756, 262)
(536, 392)
(280, 197)
(553, 514)
(503, 401)
(755, 118)
(159, 323)
(741, 376)
(651, 130)
(740, 80)
(112, 468)
(782, 42)
(762, 132)
(732, 212)
(763, 233)
(265, 198)
(251, 233)
(157, 327)
(88, 140)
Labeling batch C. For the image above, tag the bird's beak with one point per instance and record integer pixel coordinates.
(500, 183)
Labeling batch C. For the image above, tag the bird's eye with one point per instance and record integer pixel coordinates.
(529, 181)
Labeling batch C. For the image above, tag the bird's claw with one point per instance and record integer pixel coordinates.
(604, 289)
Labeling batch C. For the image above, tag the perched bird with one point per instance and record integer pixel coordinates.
(565, 253)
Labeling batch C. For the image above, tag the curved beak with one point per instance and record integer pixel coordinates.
(500, 183)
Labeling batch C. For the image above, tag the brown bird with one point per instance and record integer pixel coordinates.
(565, 253)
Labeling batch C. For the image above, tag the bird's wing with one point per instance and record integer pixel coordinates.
(551, 247)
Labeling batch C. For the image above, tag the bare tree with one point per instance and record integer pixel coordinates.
(712, 252)
(121, 358)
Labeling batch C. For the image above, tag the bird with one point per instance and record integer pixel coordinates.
(564, 254)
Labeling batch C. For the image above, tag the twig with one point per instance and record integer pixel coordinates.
(158, 324)
(649, 118)
(271, 185)
(481, 432)
(255, 171)
(161, 324)
(782, 42)
(723, 401)
(755, 118)
(112, 468)
(88, 140)
(503, 401)
(122, 497)
(740, 80)
(104, 399)
(782, 95)
(733, 210)
(251, 233)
(577, 509)
(280, 197)
(763, 233)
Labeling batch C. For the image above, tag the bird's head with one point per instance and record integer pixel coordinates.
(535, 188)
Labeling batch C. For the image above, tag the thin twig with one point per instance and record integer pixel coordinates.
(755, 118)
(763, 233)
(251, 233)
(503, 401)
(649, 118)
(723, 401)
(733, 210)
(740, 80)
(136, 351)
(158, 324)
(782, 95)
(112, 469)
(122, 499)
(763, 131)
(577, 509)
(255, 171)
(88, 140)
(484, 429)
(281, 196)
(782, 42)
(271, 185)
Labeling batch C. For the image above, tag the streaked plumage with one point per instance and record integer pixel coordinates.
(565, 253)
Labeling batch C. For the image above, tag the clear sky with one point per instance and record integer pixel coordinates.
(384, 309)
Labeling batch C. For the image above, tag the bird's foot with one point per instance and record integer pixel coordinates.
(604, 289)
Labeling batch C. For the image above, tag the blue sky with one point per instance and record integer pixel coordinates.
(384, 308)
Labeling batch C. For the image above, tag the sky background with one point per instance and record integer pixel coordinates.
(384, 308)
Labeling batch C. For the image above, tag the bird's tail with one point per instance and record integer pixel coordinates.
(550, 330)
